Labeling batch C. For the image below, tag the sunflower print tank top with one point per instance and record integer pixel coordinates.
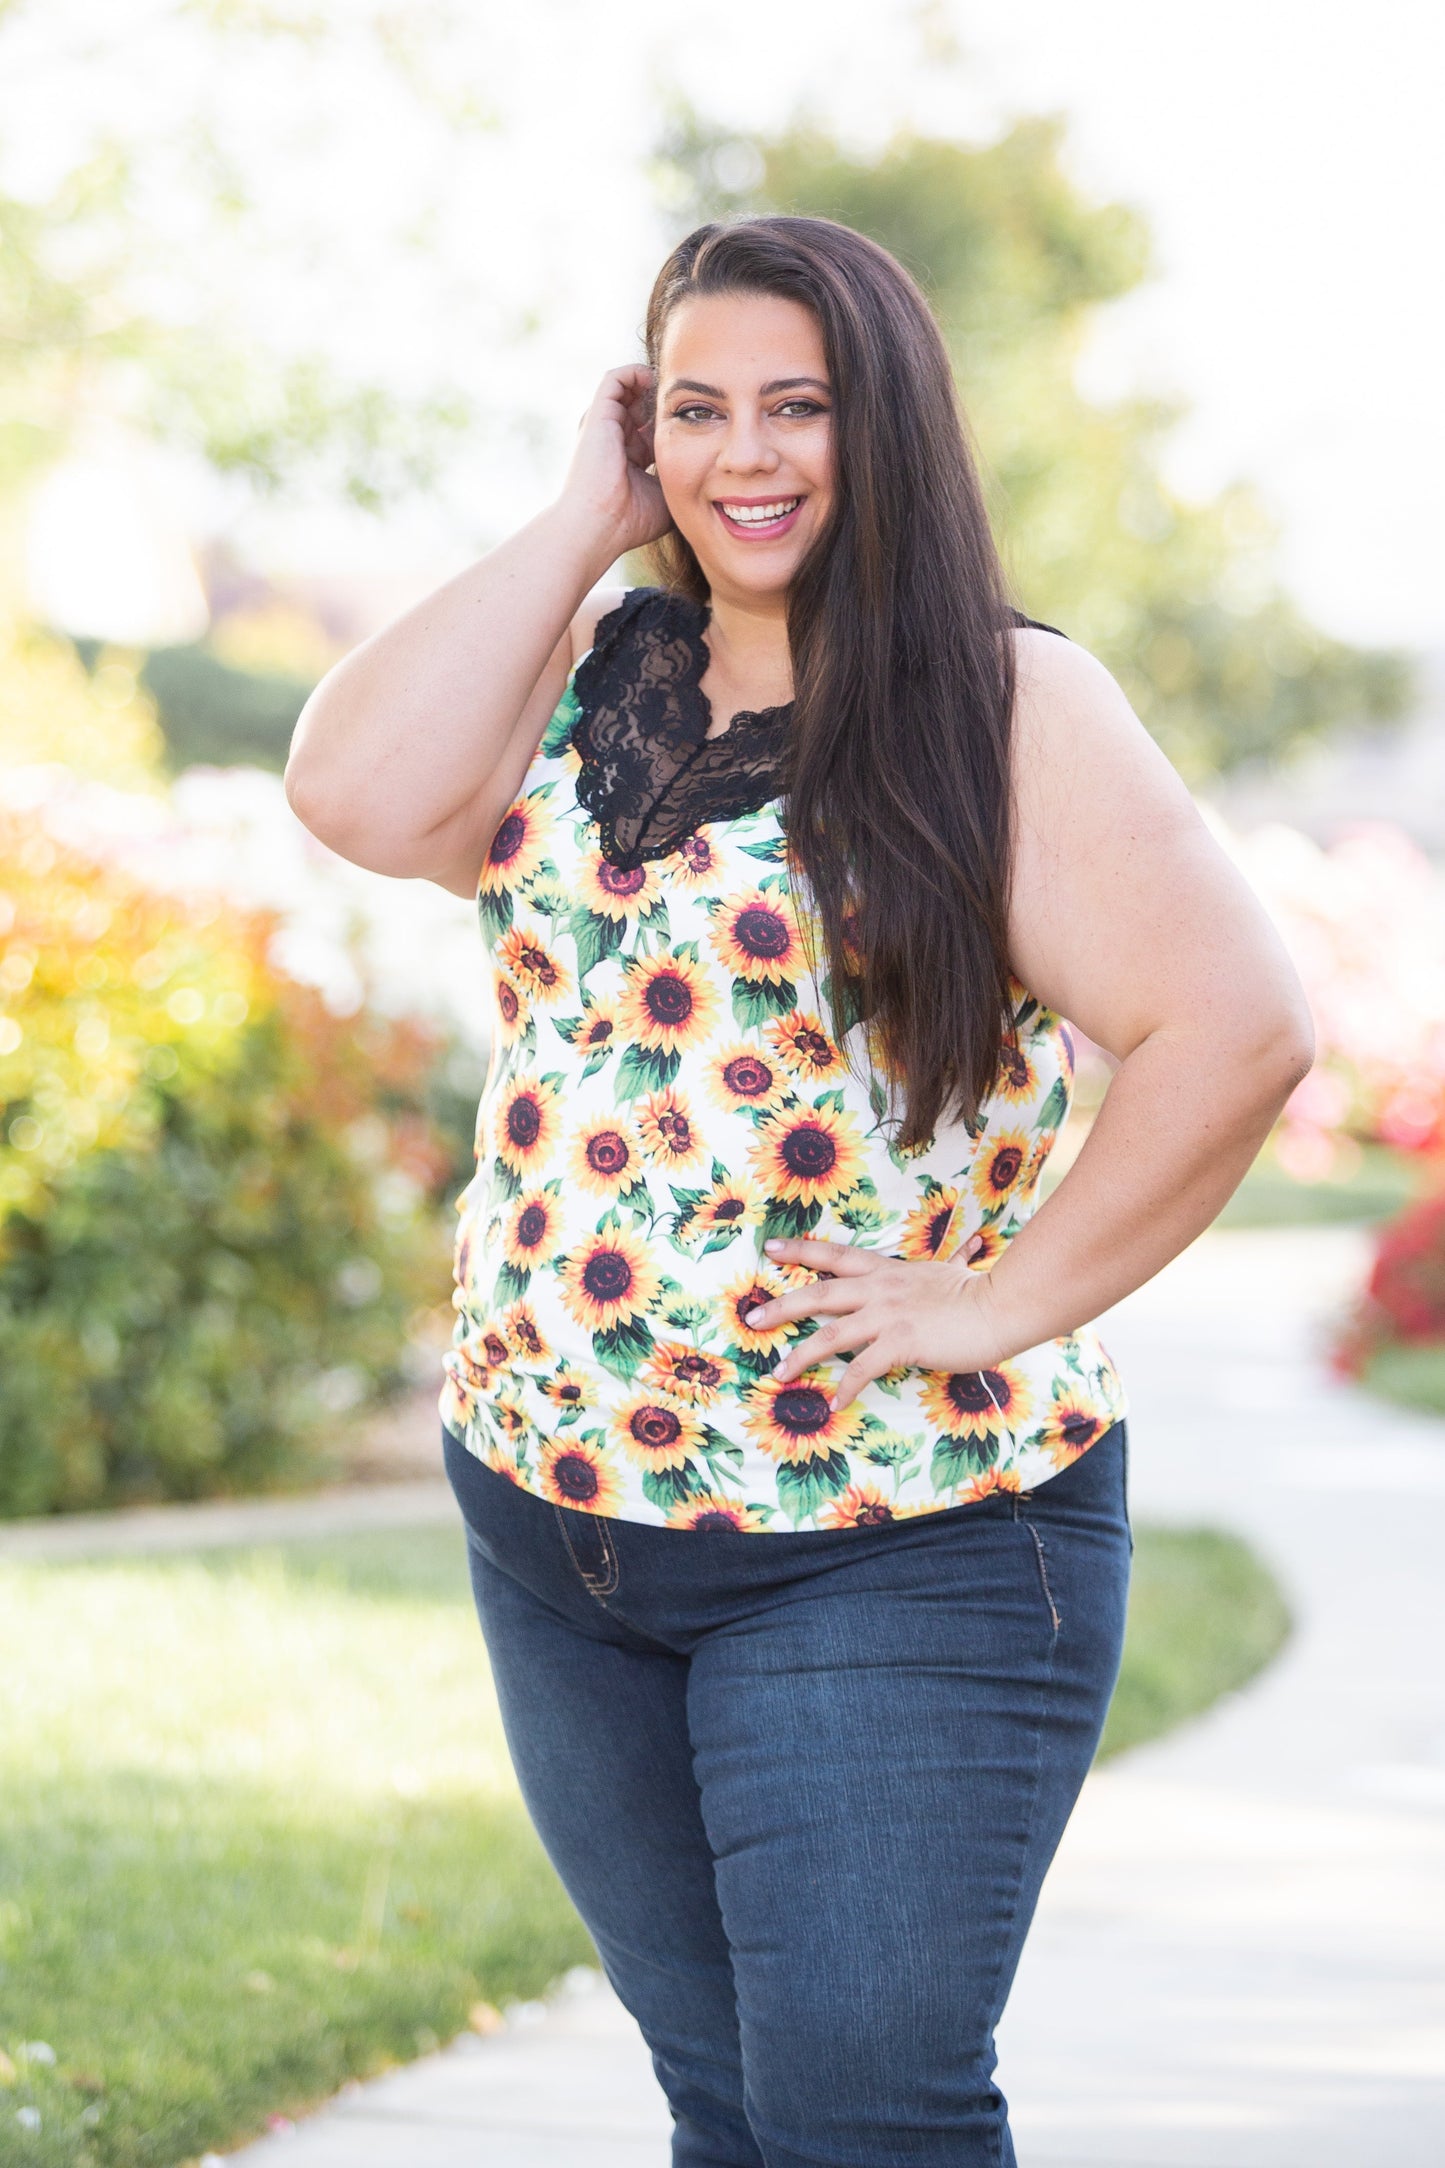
(663, 1096)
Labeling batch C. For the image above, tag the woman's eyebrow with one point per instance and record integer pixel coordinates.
(765, 391)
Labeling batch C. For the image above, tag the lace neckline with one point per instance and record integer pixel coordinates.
(650, 775)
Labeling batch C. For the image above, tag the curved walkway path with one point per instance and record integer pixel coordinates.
(1239, 1958)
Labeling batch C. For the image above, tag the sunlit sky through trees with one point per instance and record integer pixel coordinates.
(465, 202)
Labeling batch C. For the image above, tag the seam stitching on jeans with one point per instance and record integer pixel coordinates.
(1044, 1691)
(1044, 1573)
(598, 1585)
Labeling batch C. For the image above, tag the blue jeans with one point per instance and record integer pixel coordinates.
(804, 1788)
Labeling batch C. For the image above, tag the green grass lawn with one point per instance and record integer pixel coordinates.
(1381, 1183)
(1204, 1616)
(1414, 1377)
(258, 1834)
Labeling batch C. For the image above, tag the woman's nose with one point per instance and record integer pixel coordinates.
(746, 450)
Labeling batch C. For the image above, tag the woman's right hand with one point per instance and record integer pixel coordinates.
(412, 747)
(607, 483)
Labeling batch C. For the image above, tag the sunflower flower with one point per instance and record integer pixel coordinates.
(792, 1421)
(668, 1004)
(609, 1279)
(807, 1155)
(756, 938)
(668, 1131)
(576, 1472)
(654, 1433)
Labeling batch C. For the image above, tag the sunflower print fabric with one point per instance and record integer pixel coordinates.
(663, 1096)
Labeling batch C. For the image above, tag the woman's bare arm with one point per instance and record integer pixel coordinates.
(1130, 920)
(410, 750)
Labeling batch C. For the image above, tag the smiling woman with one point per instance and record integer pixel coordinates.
(793, 1469)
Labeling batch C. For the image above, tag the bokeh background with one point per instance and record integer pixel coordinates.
(299, 303)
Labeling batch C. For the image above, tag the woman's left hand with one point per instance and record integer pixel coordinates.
(888, 1313)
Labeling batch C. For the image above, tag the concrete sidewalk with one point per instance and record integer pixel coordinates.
(219, 1523)
(1239, 1958)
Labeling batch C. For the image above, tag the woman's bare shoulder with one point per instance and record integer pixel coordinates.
(1075, 730)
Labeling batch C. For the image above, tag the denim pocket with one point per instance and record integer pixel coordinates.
(591, 1550)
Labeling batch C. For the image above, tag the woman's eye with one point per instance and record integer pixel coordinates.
(685, 413)
(808, 406)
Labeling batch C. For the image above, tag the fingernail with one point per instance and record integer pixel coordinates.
(833, 1404)
(755, 1317)
(772, 1244)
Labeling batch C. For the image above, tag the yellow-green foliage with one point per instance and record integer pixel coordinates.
(110, 997)
(214, 1195)
(51, 711)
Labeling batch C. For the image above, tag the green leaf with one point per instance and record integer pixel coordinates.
(623, 1348)
(512, 1283)
(558, 733)
(645, 1069)
(495, 913)
(1055, 1106)
(772, 849)
(596, 938)
(750, 1362)
(958, 1460)
(754, 1004)
(782, 1217)
(844, 1005)
(667, 1488)
(805, 1485)
(504, 1184)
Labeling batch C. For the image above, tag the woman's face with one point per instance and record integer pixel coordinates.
(743, 437)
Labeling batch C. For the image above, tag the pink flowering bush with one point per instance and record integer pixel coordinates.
(1364, 922)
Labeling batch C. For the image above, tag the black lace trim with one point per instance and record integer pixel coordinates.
(650, 774)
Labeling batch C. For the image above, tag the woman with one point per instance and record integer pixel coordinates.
(793, 1472)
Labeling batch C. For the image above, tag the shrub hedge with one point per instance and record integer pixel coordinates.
(217, 1200)
(1399, 1316)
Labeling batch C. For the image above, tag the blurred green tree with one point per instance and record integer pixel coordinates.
(96, 323)
(1179, 599)
(82, 332)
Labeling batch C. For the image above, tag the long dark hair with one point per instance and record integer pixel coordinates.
(897, 808)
